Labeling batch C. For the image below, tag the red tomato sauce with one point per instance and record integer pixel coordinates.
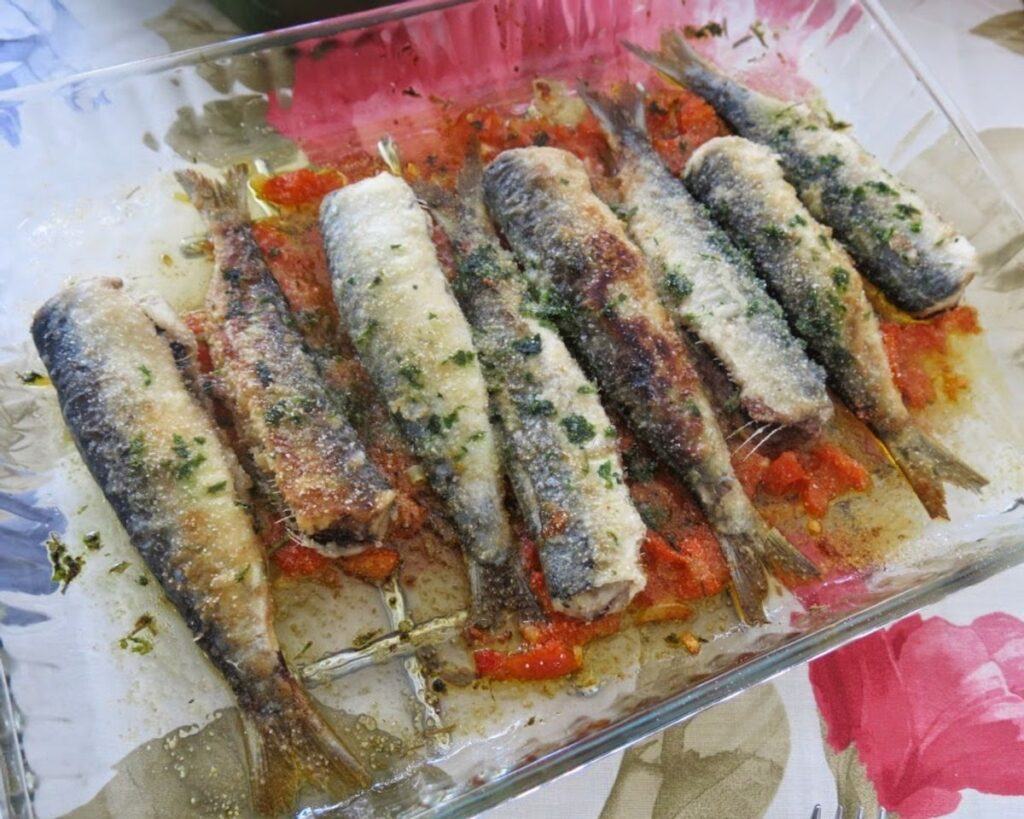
(681, 555)
(374, 565)
(918, 353)
(545, 661)
(816, 477)
(302, 187)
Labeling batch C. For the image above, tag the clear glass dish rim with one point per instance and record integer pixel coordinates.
(655, 718)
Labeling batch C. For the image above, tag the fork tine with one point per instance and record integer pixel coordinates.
(841, 812)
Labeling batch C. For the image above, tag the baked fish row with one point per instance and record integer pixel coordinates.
(483, 386)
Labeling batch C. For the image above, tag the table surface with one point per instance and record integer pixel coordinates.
(925, 718)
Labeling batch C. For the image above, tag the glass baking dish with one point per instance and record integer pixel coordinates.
(87, 190)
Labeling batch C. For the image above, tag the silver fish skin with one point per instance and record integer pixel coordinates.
(418, 348)
(571, 493)
(815, 280)
(156, 455)
(571, 243)
(705, 282)
(299, 438)
(917, 259)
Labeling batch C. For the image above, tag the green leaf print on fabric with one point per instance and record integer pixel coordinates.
(235, 129)
(853, 788)
(727, 761)
(228, 131)
(1006, 30)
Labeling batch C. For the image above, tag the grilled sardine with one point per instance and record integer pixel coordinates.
(561, 450)
(571, 242)
(121, 382)
(916, 258)
(418, 348)
(742, 184)
(705, 282)
(294, 429)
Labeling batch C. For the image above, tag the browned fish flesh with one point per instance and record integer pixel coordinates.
(294, 428)
(121, 373)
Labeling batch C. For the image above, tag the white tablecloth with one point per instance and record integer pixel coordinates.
(935, 704)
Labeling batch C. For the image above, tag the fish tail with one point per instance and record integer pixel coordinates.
(214, 199)
(675, 59)
(461, 209)
(470, 184)
(446, 204)
(620, 116)
(747, 573)
(290, 745)
(749, 556)
(926, 464)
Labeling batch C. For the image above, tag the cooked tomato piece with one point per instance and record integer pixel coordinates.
(911, 345)
(196, 322)
(299, 561)
(687, 568)
(302, 187)
(373, 565)
(818, 477)
(544, 661)
(784, 475)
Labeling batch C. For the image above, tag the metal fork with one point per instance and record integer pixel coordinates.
(841, 813)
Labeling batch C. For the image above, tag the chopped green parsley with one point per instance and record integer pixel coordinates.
(462, 358)
(578, 428)
(66, 566)
(531, 345)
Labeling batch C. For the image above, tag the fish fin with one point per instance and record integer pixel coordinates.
(681, 54)
(926, 464)
(617, 116)
(212, 198)
(749, 556)
(388, 151)
(442, 203)
(290, 745)
(497, 590)
(785, 556)
(742, 552)
(675, 57)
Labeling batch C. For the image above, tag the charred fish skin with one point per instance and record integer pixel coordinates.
(297, 434)
(743, 185)
(155, 454)
(705, 282)
(918, 260)
(570, 241)
(560, 448)
(417, 346)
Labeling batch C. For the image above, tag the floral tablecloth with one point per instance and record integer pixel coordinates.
(922, 719)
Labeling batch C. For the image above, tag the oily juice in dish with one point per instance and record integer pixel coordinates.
(823, 494)
(794, 481)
